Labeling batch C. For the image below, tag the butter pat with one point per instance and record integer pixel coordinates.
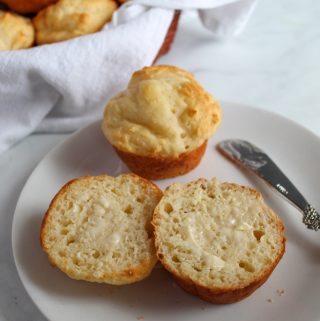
(193, 237)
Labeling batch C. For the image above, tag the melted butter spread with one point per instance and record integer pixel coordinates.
(234, 232)
(102, 231)
(190, 234)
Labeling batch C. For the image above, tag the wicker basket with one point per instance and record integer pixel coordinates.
(170, 36)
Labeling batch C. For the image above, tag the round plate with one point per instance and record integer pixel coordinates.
(291, 293)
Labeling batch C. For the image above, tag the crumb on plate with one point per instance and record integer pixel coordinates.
(280, 292)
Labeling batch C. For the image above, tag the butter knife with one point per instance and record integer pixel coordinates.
(253, 158)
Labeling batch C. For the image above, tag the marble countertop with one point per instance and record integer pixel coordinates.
(274, 64)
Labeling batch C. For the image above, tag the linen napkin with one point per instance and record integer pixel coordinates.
(62, 87)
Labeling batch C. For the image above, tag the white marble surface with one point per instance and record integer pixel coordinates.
(274, 64)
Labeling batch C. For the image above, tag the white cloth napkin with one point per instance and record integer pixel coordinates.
(64, 86)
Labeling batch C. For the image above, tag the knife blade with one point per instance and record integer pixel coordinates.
(257, 161)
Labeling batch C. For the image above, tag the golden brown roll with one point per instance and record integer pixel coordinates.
(160, 124)
(16, 32)
(72, 18)
(27, 6)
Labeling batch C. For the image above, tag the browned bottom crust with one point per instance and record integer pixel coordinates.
(226, 296)
(160, 168)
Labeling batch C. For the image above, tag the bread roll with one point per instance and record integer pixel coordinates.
(161, 123)
(16, 32)
(98, 229)
(27, 6)
(72, 18)
(220, 241)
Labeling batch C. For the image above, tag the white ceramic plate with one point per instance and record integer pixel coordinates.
(293, 148)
